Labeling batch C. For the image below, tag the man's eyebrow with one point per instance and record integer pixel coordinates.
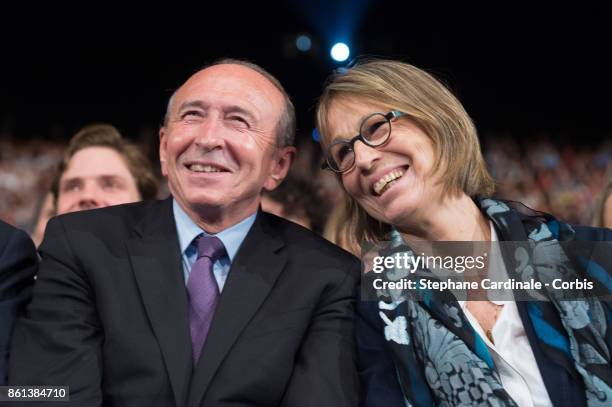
(71, 183)
(191, 104)
(81, 179)
(111, 177)
(226, 109)
(71, 180)
(241, 110)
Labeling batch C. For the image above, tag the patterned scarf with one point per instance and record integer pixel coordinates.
(442, 361)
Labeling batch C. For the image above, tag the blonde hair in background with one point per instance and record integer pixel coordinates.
(338, 231)
(430, 105)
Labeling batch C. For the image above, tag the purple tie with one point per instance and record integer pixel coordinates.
(203, 290)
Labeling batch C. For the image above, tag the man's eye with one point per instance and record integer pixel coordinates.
(238, 121)
(71, 187)
(109, 184)
(191, 114)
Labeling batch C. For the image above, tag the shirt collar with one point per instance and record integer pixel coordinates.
(231, 237)
(494, 238)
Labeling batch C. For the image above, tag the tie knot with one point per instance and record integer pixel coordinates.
(211, 247)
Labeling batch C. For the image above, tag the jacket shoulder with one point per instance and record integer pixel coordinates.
(109, 221)
(303, 243)
(10, 235)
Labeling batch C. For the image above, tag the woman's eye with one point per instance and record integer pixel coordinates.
(343, 152)
(375, 130)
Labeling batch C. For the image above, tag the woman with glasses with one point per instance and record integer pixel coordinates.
(408, 157)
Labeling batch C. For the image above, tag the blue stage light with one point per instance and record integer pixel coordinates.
(340, 52)
(303, 43)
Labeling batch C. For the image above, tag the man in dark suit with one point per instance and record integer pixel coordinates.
(201, 299)
(18, 265)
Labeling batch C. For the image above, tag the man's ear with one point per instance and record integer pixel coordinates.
(163, 149)
(280, 167)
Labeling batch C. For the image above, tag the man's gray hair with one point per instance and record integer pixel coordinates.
(285, 128)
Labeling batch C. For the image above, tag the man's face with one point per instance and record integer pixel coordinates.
(94, 178)
(218, 148)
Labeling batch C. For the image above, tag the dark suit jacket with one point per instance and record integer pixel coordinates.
(18, 265)
(109, 316)
(380, 386)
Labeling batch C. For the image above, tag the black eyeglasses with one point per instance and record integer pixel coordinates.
(374, 132)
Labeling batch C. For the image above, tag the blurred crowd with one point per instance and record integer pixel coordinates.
(26, 172)
(560, 178)
(564, 180)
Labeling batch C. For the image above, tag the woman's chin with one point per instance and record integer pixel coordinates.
(399, 211)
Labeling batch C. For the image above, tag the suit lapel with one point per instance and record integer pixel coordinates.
(156, 262)
(254, 271)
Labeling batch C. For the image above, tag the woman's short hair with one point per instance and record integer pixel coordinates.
(430, 105)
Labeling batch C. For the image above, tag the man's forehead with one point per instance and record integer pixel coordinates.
(231, 83)
(233, 72)
(96, 160)
(94, 175)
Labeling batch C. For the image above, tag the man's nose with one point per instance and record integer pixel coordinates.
(209, 134)
(90, 198)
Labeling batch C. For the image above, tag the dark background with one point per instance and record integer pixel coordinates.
(518, 69)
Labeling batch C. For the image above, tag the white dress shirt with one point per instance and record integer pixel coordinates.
(231, 237)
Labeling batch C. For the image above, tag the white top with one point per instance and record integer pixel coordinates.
(511, 352)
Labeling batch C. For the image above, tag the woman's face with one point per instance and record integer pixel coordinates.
(391, 182)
